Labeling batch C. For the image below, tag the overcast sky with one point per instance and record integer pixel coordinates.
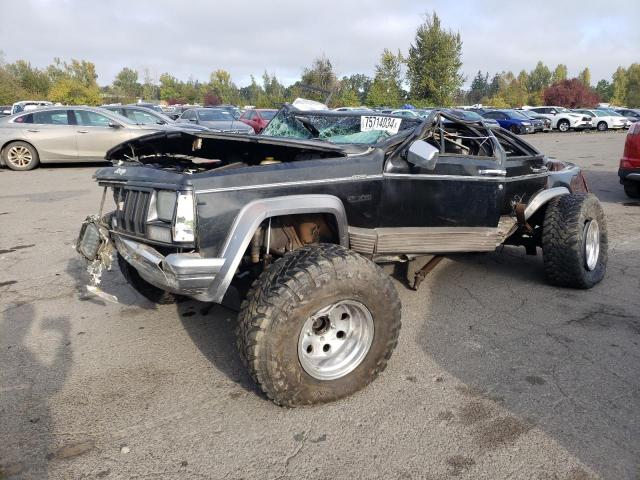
(193, 38)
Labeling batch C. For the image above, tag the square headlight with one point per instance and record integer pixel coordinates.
(165, 205)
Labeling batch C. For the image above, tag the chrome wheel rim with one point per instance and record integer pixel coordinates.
(19, 156)
(591, 244)
(335, 340)
(564, 127)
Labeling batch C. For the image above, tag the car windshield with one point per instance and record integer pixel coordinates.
(562, 109)
(337, 127)
(268, 114)
(516, 114)
(210, 115)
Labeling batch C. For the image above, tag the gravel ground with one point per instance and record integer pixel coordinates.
(496, 375)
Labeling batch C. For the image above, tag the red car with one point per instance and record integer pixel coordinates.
(629, 171)
(258, 118)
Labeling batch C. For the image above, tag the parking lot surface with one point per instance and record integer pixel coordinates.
(497, 375)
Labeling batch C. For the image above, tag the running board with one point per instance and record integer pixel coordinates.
(431, 240)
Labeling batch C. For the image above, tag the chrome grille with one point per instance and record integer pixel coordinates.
(132, 208)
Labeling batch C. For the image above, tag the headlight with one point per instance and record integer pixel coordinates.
(526, 123)
(159, 234)
(184, 226)
(165, 205)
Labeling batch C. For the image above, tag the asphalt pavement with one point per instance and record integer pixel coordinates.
(496, 376)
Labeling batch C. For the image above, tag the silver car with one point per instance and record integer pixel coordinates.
(216, 119)
(64, 134)
(147, 116)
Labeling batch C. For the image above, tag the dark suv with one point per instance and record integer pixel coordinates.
(303, 214)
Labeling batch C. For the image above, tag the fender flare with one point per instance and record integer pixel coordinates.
(541, 198)
(253, 214)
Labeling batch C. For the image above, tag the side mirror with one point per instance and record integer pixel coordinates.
(423, 155)
(193, 120)
(114, 125)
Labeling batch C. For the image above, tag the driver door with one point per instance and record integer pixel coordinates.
(453, 207)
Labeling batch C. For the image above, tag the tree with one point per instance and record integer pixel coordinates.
(387, 83)
(434, 63)
(274, 91)
(619, 87)
(170, 89)
(603, 90)
(320, 77)
(585, 77)
(126, 84)
(72, 91)
(479, 88)
(221, 85)
(559, 74)
(34, 82)
(539, 78)
(150, 90)
(359, 83)
(571, 94)
(632, 98)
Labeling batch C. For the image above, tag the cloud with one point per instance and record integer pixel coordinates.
(191, 39)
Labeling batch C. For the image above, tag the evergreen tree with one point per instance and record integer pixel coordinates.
(434, 63)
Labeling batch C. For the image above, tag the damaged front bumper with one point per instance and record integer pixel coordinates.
(181, 273)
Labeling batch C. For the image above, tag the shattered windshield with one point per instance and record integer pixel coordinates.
(339, 127)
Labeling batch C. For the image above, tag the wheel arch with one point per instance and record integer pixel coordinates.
(254, 213)
(9, 142)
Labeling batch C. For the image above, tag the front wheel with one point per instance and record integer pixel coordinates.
(574, 241)
(602, 126)
(564, 125)
(515, 129)
(318, 325)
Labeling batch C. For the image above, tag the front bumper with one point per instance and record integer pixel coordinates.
(181, 273)
(582, 124)
(629, 175)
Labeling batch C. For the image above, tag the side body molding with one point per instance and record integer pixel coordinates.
(250, 218)
(542, 197)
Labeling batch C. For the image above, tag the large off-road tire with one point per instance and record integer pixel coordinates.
(632, 189)
(20, 156)
(144, 288)
(318, 325)
(574, 241)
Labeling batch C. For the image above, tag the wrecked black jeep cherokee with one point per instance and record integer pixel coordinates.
(306, 212)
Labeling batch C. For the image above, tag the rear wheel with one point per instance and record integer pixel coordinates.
(318, 325)
(564, 125)
(574, 241)
(602, 126)
(20, 156)
(632, 189)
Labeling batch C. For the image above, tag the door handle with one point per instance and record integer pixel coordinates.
(542, 169)
(493, 172)
(34, 130)
(83, 131)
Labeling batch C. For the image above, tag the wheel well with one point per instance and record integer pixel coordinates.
(6, 144)
(289, 232)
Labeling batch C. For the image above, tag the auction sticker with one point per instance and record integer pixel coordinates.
(388, 124)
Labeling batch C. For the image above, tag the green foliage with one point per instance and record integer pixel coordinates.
(480, 88)
(633, 86)
(585, 77)
(539, 78)
(434, 63)
(387, 83)
(603, 89)
(559, 74)
(319, 79)
(126, 85)
(71, 91)
(619, 87)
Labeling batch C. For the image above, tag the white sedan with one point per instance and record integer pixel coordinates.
(605, 120)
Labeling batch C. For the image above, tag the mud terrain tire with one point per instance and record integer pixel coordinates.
(565, 240)
(289, 294)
